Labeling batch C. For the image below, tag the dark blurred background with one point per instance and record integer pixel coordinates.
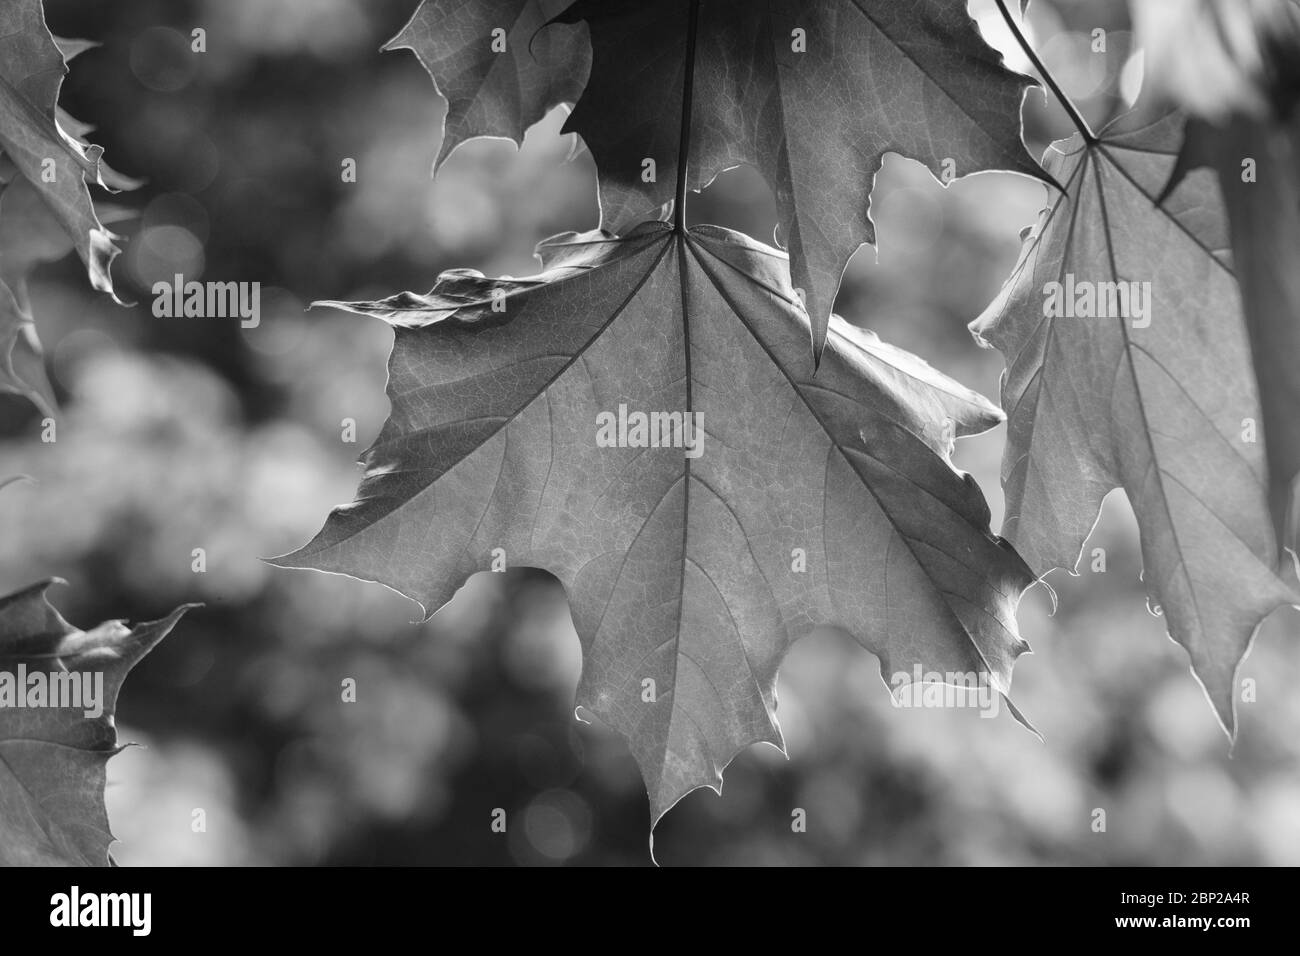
(180, 433)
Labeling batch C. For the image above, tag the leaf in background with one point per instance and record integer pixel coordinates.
(29, 233)
(29, 236)
(110, 178)
(1235, 67)
(680, 570)
(1220, 59)
(1264, 217)
(31, 72)
(22, 364)
(491, 93)
(877, 76)
(52, 760)
(1159, 409)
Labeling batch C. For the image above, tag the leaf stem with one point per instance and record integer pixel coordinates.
(1075, 116)
(684, 138)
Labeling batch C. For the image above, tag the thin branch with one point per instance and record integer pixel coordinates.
(1075, 116)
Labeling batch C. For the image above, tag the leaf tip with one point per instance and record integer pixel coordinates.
(1022, 719)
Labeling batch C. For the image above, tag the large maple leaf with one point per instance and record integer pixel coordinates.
(496, 85)
(685, 572)
(811, 94)
(1162, 404)
(53, 759)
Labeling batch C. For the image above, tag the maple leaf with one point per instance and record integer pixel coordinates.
(684, 566)
(32, 68)
(811, 94)
(496, 85)
(1156, 398)
(53, 759)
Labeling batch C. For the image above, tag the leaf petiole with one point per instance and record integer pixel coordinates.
(1071, 110)
(684, 140)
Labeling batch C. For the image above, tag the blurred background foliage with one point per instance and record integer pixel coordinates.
(180, 433)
